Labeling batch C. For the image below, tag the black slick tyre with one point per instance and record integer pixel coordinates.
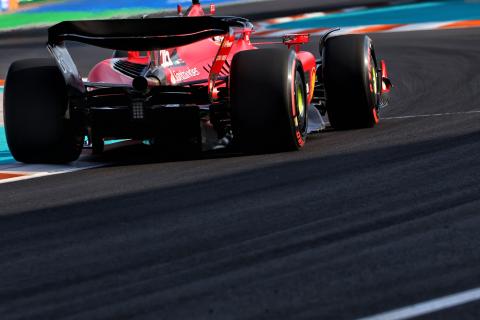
(268, 101)
(351, 82)
(36, 116)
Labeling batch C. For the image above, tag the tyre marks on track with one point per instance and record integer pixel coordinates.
(433, 115)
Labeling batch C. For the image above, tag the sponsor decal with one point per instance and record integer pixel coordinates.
(222, 58)
(165, 60)
(218, 40)
(179, 76)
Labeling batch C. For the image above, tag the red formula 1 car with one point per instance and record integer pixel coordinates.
(170, 79)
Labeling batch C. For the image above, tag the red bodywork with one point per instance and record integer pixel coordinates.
(205, 59)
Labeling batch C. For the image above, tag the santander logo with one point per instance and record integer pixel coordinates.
(179, 76)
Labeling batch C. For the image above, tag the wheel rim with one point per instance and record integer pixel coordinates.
(374, 81)
(300, 122)
(373, 84)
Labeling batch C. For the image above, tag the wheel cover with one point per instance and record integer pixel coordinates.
(373, 83)
(374, 80)
(300, 106)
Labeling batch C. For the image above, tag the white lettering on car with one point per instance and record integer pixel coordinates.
(185, 75)
(165, 59)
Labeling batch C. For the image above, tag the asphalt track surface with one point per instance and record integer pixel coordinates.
(357, 223)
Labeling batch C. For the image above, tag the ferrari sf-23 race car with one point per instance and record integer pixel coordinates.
(171, 79)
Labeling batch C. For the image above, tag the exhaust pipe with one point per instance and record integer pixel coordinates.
(144, 83)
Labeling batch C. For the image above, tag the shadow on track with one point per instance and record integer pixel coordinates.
(191, 250)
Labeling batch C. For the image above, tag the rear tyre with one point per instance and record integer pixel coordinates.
(351, 82)
(268, 101)
(35, 112)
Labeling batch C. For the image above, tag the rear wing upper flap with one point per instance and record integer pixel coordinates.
(143, 34)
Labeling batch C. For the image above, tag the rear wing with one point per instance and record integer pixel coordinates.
(143, 34)
(138, 35)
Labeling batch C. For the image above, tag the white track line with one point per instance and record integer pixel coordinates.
(429, 306)
(30, 171)
(432, 115)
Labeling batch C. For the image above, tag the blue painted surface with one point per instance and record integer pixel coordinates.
(103, 5)
(434, 11)
(5, 156)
